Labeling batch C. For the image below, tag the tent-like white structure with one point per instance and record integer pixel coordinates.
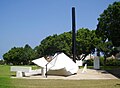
(61, 64)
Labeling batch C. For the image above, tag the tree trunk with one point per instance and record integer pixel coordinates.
(104, 60)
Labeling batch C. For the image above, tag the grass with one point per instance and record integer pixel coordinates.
(66, 83)
(5, 77)
(7, 82)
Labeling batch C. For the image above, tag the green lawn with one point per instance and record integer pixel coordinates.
(7, 82)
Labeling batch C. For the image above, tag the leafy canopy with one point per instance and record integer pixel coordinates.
(109, 24)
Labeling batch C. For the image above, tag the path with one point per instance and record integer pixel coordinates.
(89, 74)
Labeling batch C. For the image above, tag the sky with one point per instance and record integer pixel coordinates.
(30, 21)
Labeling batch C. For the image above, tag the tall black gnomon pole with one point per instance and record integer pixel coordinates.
(73, 35)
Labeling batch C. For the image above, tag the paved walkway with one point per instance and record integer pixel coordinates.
(88, 74)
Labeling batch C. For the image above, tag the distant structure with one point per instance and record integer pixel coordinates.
(73, 35)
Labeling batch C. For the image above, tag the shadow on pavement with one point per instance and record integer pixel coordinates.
(115, 72)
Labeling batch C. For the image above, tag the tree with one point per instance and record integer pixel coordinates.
(109, 24)
(65, 42)
(85, 41)
(56, 43)
(15, 56)
(2, 62)
(47, 46)
(20, 55)
(108, 29)
(29, 54)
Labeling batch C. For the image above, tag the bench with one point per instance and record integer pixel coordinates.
(24, 71)
(20, 70)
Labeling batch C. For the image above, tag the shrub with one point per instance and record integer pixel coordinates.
(101, 61)
(109, 62)
(113, 62)
(90, 62)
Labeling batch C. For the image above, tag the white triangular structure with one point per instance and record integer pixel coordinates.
(60, 65)
(40, 62)
(79, 62)
(84, 69)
